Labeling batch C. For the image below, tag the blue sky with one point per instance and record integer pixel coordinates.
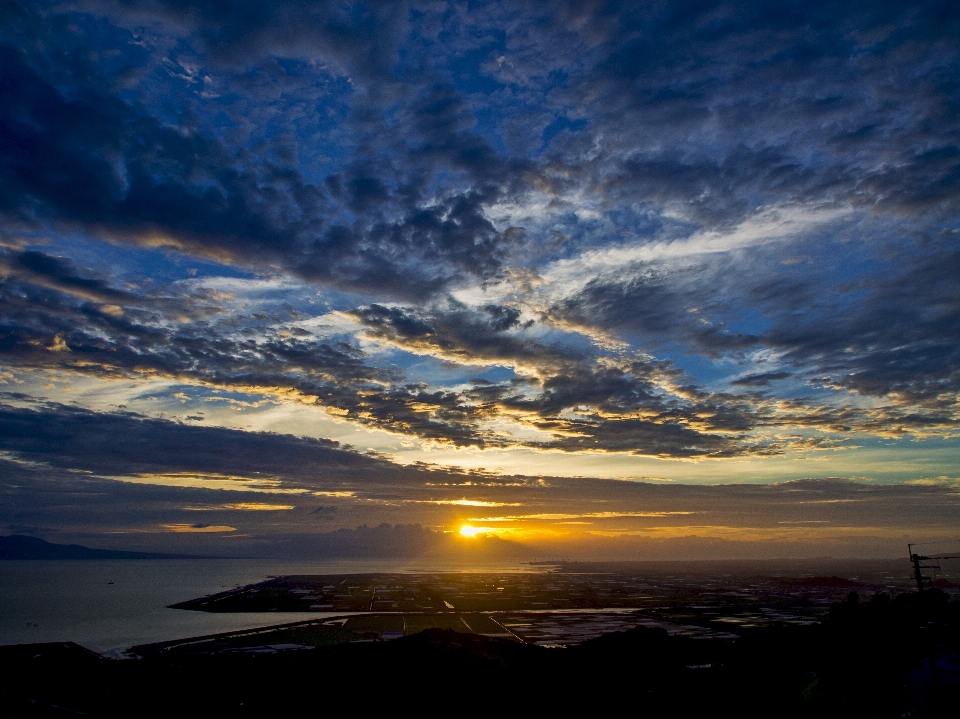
(684, 242)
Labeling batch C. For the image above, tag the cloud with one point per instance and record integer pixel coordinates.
(576, 228)
(325, 512)
(895, 341)
(473, 503)
(338, 375)
(197, 528)
(760, 84)
(245, 507)
(59, 274)
(615, 391)
(127, 444)
(200, 480)
(464, 334)
(362, 44)
(761, 380)
(125, 175)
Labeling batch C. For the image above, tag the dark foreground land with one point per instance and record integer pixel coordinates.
(866, 658)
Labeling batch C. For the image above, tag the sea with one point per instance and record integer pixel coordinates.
(112, 605)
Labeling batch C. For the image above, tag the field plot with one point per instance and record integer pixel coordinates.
(335, 593)
(338, 630)
(544, 628)
(558, 608)
(572, 586)
(419, 622)
(567, 628)
(486, 624)
(427, 592)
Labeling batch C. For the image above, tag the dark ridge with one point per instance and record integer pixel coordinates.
(49, 652)
(18, 546)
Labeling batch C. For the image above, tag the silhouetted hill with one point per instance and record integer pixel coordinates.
(18, 546)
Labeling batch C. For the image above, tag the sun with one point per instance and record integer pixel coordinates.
(468, 530)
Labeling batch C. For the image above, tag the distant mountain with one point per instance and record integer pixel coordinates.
(18, 546)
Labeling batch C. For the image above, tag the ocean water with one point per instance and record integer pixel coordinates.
(111, 605)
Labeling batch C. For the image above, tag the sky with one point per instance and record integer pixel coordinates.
(580, 279)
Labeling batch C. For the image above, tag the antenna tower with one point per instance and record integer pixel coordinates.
(918, 566)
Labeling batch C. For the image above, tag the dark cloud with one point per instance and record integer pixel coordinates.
(761, 87)
(42, 329)
(896, 339)
(761, 380)
(142, 341)
(92, 160)
(665, 438)
(661, 307)
(96, 160)
(607, 396)
(121, 443)
(59, 273)
(463, 334)
(404, 151)
(711, 107)
(384, 540)
(616, 404)
(361, 39)
(888, 334)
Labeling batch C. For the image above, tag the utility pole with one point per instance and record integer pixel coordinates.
(917, 566)
(916, 559)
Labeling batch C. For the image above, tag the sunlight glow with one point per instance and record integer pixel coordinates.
(471, 503)
(468, 530)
